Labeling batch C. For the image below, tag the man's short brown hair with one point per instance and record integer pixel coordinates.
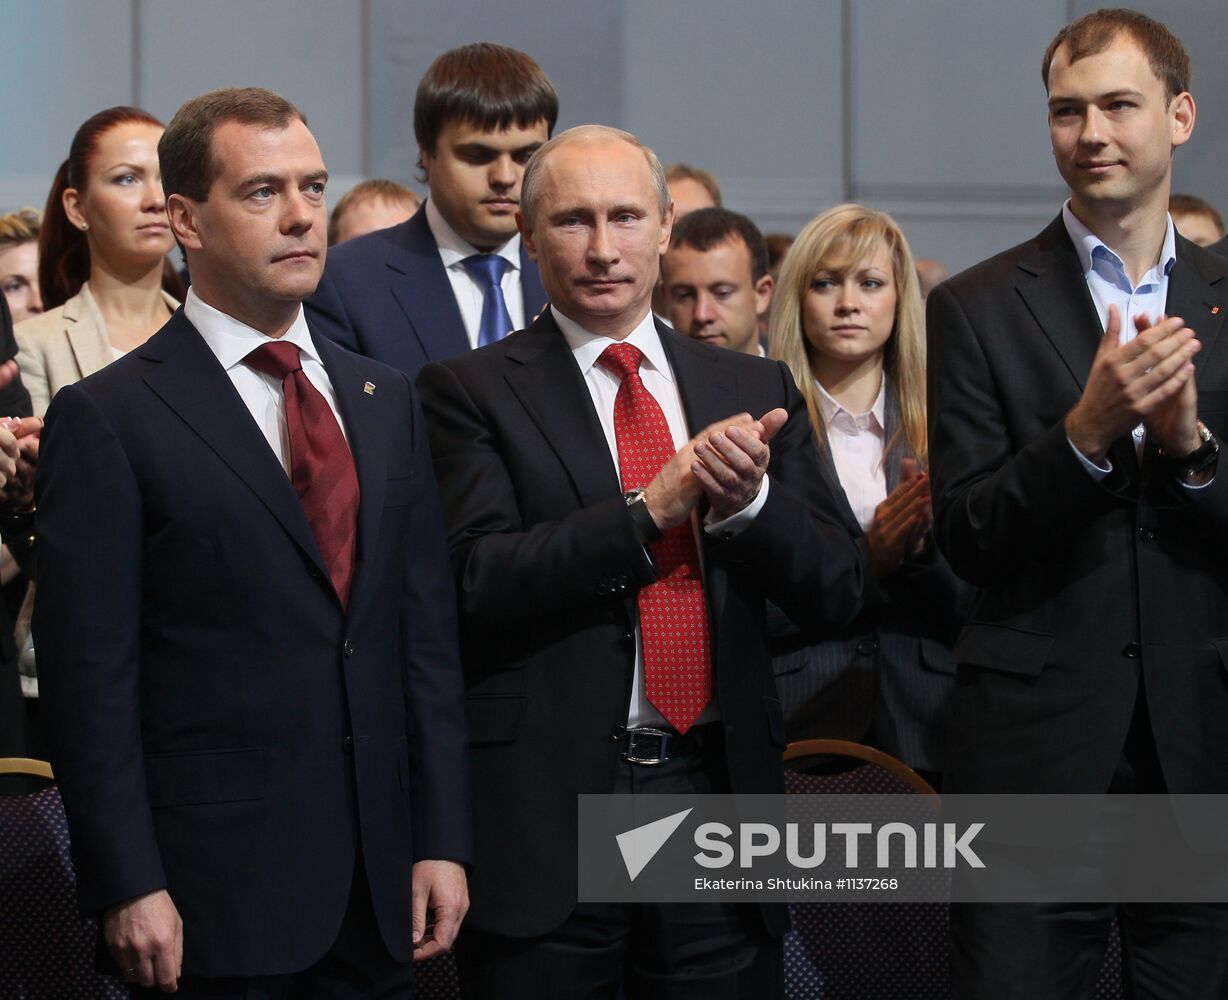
(685, 172)
(185, 152)
(489, 86)
(1093, 33)
(706, 227)
(377, 189)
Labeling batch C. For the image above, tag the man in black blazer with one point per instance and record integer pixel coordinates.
(1073, 439)
(417, 292)
(553, 554)
(245, 620)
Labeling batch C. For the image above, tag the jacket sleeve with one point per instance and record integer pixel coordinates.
(997, 502)
(87, 632)
(507, 572)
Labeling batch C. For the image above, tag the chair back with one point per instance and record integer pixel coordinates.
(46, 947)
(862, 951)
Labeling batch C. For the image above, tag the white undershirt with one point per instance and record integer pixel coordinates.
(856, 445)
(231, 341)
(469, 294)
(658, 379)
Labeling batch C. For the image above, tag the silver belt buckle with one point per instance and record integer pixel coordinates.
(655, 741)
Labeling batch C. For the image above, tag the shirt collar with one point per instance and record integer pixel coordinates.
(232, 341)
(1091, 247)
(453, 249)
(832, 410)
(586, 347)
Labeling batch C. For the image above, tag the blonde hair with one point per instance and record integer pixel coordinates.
(840, 238)
(19, 227)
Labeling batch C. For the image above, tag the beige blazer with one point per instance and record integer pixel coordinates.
(64, 345)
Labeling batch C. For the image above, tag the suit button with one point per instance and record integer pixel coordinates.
(347, 648)
(628, 635)
(314, 571)
(616, 733)
(1131, 651)
(867, 647)
(1146, 534)
(347, 746)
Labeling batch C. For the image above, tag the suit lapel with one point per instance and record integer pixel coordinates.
(1051, 284)
(368, 446)
(424, 293)
(550, 387)
(828, 466)
(190, 381)
(708, 390)
(85, 329)
(1199, 295)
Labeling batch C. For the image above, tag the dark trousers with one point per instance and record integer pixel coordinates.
(1023, 951)
(356, 966)
(705, 951)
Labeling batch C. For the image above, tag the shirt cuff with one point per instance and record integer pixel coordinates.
(739, 522)
(1097, 472)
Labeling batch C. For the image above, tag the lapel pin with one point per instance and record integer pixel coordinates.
(1215, 310)
(369, 388)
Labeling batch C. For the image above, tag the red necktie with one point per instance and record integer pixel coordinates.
(673, 613)
(321, 466)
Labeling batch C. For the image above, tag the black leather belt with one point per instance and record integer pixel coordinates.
(649, 746)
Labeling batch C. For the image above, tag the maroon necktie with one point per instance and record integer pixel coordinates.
(321, 466)
(673, 612)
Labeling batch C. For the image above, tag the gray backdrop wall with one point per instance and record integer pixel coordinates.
(930, 109)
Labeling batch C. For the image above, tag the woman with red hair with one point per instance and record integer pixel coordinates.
(105, 279)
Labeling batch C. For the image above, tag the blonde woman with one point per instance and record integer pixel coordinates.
(847, 321)
(19, 262)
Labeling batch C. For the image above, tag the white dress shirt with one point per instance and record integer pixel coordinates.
(856, 445)
(232, 341)
(469, 293)
(658, 379)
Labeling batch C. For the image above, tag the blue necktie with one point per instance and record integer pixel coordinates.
(487, 269)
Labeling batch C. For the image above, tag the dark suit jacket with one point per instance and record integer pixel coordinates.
(386, 295)
(219, 726)
(888, 677)
(547, 564)
(1085, 587)
(1220, 248)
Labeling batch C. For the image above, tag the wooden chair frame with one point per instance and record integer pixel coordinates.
(847, 748)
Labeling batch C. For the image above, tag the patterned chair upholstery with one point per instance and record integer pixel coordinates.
(875, 951)
(435, 979)
(46, 947)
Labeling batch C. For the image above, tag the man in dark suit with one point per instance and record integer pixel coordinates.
(581, 502)
(1220, 248)
(1074, 426)
(455, 276)
(714, 279)
(245, 622)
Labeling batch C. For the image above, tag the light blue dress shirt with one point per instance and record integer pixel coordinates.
(1109, 284)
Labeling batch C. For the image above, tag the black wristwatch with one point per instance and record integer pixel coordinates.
(645, 527)
(1202, 458)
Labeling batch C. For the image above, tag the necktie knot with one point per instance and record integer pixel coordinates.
(278, 358)
(621, 360)
(487, 269)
